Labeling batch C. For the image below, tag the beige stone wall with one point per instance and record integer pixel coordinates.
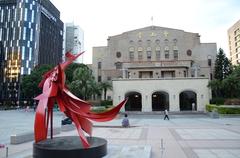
(147, 39)
(146, 87)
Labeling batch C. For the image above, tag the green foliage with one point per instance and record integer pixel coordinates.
(69, 71)
(227, 78)
(83, 84)
(105, 86)
(223, 66)
(29, 84)
(223, 109)
(99, 109)
(216, 86)
(217, 101)
(106, 103)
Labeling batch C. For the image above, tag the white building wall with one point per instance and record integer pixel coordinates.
(172, 86)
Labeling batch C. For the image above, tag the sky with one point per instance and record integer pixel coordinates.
(102, 18)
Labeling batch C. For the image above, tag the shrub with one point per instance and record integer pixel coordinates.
(98, 109)
(232, 101)
(106, 103)
(223, 109)
(217, 101)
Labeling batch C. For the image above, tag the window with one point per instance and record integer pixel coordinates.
(158, 55)
(118, 54)
(140, 55)
(109, 78)
(185, 73)
(118, 65)
(148, 42)
(139, 42)
(209, 62)
(175, 54)
(131, 55)
(166, 41)
(99, 78)
(25, 14)
(189, 52)
(157, 41)
(99, 65)
(149, 55)
(166, 54)
(175, 41)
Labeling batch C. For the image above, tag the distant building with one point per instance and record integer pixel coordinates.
(74, 40)
(157, 68)
(31, 34)
(234, 43)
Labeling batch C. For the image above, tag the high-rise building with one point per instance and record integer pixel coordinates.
(234, 43)
(31, 34)
(156, 68)
(74, 40)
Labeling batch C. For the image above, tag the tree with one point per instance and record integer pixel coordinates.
(105, 86)
(83, 84)
(223, 66)
(29, 84)
(69, 71)
(216, 86)
(231, 84)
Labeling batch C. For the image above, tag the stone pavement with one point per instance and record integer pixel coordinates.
(183, 136)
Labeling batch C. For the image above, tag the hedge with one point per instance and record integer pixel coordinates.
(223, 109)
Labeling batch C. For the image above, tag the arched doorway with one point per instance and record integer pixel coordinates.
(187, 98)
(160, 101)
(134, 101)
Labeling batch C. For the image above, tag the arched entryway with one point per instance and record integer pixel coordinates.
(134, 101)
(188, 100)
(160, 101)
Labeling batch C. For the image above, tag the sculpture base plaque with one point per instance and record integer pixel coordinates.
(70, 147)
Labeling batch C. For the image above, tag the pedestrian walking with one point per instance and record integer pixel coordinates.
(166, 114)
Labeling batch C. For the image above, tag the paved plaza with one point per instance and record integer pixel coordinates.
(183, 136)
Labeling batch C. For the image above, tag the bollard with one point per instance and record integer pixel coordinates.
(7, 152)
(162, 144)
(162, 148)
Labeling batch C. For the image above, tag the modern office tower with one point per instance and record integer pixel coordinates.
(156, 68)
(31, 34)
(74, 40)
(234, 43)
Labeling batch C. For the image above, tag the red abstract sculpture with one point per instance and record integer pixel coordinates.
(54, 90)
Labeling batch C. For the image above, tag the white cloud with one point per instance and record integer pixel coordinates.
(100, 19)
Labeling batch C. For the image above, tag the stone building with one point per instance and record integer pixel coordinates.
(156, 68)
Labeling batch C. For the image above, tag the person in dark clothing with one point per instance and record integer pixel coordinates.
(125, 121)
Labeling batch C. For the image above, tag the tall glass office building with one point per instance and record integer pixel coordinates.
(31, 34)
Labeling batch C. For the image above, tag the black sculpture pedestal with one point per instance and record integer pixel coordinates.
(70, 147)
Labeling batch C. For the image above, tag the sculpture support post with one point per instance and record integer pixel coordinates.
(51, 115)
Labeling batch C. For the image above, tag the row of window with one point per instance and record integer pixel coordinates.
(157, 54)
(157, 41)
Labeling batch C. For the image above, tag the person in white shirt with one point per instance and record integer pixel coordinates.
(166, 114)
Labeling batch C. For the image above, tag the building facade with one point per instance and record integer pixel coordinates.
(154, 67)
(234, 43)
(31, 34)
(74, 40)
